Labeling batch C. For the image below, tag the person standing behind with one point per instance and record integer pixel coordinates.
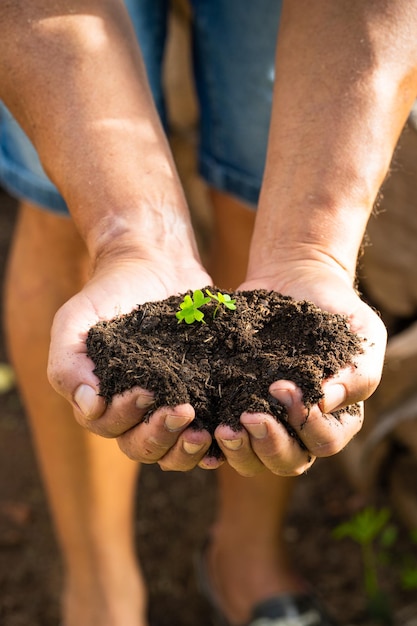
(74, 79)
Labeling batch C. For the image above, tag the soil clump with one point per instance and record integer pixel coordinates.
(224, 366)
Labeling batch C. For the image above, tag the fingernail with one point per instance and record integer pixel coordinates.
(192, 448)
(232, 444)
(259, 431)
(284, 396)
(144, 401)
(335, 396)
(173, 423)
(86, 399)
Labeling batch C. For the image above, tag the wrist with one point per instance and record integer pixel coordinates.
(144, 266)
(166, 230)
(148, 236)
(308, 231)
(297, 267)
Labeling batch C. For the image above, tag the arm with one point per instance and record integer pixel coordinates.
(72, 74)
(346, 77)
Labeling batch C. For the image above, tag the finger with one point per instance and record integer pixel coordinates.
(277, 448)
(326, 434)
(237, 450)
(323, 432)
(87, 403)
(150, 441)
(188, 451)
(125, 411)
(350, 386)
(361, 379)
(69, 369)
(210, 462)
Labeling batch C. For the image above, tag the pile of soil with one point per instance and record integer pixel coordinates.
(224, 365)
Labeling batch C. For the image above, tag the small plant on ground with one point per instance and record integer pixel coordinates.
(377, 538)
(191, 305)
(409, 569)
(371, 531)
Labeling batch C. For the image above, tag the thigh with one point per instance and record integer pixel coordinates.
(234, 58)
(48, 263)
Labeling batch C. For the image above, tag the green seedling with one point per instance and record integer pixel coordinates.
(409, 577)
(377, 537)
(370, 529)
(409, 569)
(190, 307)
(222, 298)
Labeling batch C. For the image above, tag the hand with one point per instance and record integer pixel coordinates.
(264, 442)
(116, 287)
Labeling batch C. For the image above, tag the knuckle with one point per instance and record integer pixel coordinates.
(327, 448)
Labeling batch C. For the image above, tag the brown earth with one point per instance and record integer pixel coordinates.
(223, 364)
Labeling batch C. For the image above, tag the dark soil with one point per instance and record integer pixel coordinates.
(224, 365)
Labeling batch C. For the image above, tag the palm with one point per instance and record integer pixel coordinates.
(331, 291)
(111, 291)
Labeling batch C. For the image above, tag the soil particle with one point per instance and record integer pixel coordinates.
(224, 366)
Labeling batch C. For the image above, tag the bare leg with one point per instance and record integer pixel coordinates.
(89, 482)
(247, 557)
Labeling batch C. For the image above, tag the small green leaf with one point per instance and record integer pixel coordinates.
(187, 303)
(189, 307)
(230, 304)
(198, 315)
(199, 298)
(409, 578)
(365, 526)
(222, 298)
(211, 295)
(389, 536)
(190, 317)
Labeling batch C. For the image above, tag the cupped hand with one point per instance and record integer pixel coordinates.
(263, 443)
(116, 287)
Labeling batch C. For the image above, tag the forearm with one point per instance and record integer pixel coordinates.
(76, 83)
(346, 76)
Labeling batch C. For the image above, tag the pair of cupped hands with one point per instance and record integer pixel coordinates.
(118, 285)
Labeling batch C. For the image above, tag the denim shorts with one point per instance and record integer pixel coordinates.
(233, 46)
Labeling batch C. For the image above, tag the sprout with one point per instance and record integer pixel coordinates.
(191, 305)
(190, 308)
(222, 298)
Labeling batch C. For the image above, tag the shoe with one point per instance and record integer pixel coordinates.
(298, 609)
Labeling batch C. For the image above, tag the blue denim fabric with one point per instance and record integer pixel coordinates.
(21, 173)
(233, 52)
